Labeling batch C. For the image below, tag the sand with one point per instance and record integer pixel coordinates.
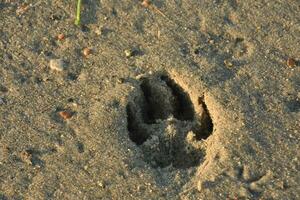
(177, 100)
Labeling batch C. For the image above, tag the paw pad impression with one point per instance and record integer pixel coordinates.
(168, 127)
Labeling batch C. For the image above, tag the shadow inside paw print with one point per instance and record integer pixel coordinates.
(166, 124)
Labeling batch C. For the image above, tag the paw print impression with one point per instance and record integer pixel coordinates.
(167, 124)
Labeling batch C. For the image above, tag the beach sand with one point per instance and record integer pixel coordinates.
(172, 100)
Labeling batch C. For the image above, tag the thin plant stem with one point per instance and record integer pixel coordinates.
(77, 21)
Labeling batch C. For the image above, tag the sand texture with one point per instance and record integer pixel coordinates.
(176, 99)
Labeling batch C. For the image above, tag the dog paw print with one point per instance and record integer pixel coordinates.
(252, 182)
(165, 123)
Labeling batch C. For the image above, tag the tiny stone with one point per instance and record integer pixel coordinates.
(26, 157)
(146, 3)
(228, 63)
(61, 36)
(86, 51)
(101, 184)
(291, 62)
(57, 64)
(102, 31)
(65, 114)
(128, 53)
(98, 31)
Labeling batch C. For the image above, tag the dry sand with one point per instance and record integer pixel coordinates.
(180, 100)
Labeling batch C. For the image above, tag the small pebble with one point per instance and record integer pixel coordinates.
(26, 157)
(61, 36)
(65, 114)
(228, 63)
(57, 64)
(146, 3)
(101, 184)
(101, 31)
(291, 62)
(98, 31)
(128, 53)
(86, 51)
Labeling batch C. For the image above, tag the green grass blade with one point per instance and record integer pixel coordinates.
(77, 21)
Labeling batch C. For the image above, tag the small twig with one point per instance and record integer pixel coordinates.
(187, 190)
(147, 4)
(23, 8)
